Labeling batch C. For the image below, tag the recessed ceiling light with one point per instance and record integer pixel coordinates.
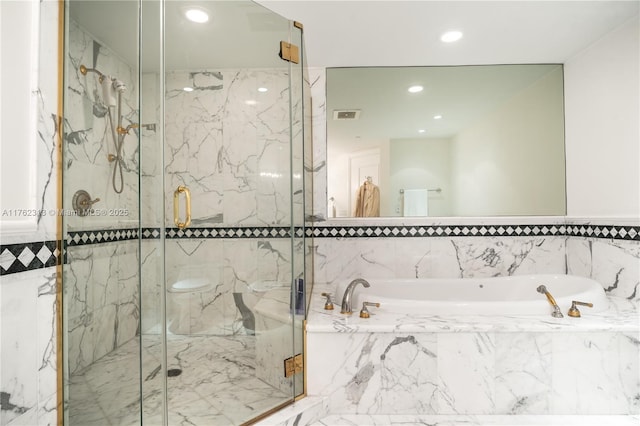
(262, 89)
(437, 117)
(415, 89)
(421, 131)
(451, 36)
(195, 14)
(188, 89)
(251, 102)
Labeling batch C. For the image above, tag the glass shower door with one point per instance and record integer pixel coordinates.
(101, 281)
(230, 261)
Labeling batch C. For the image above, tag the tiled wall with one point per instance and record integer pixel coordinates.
(27, 268)
(477, 372)
(101, 279)
(609, 254)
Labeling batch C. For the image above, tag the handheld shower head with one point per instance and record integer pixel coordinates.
(118, 85)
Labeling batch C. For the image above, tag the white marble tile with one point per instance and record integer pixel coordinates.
(596, 373)
(302, 412)
(409, 375)
(616, 264)
(47, 342)
(509, 256)
(476, 420)
(21, 358)
(466, 369)
(354, 257)
(317, 77)
(523, 373)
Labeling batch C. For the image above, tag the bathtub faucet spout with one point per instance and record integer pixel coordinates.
(556, 309)
(348, 295)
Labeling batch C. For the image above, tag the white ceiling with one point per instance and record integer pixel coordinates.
(395, 33)
(407, 33)
(354, 34)
(359, 32)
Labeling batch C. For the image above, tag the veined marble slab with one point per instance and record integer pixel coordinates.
(443, 420)
(622, 315)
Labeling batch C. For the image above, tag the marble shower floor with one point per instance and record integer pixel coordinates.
(217, 385)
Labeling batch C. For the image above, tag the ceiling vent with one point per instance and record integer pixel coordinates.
(346, 114)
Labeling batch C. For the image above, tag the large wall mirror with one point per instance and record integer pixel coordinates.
(442, 141)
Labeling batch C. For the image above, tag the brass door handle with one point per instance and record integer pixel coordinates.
(176, 207)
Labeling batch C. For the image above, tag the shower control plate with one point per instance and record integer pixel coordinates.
(82, 202)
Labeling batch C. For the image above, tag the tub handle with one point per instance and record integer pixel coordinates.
(574, 312)
(328, 304)
(364, 313)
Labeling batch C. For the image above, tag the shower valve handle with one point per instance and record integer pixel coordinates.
(88, 203)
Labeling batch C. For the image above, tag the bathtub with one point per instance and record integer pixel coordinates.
(514, 295)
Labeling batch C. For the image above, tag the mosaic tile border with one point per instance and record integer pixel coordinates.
(24, 257)
(232, 232)
(604, 231)
(592, 231)
(30, 256)
(81, 238)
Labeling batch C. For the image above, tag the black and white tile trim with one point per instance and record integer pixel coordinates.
(437, 231)
(235, 232)
(23, 257)
(604, 231)
(81, 238)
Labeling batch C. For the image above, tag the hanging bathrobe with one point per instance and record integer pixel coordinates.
(367, 201)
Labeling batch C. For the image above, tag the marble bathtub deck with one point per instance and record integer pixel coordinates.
(216, 370)
(623, 315)
(313, 411)
(442, 420)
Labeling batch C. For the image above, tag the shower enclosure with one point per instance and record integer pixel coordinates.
(186, 263)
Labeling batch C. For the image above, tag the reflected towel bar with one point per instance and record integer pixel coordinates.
(430, 190)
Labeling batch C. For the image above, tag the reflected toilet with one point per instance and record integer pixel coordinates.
(178, 302)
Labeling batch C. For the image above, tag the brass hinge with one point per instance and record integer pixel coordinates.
(289, 52)
(293, 365)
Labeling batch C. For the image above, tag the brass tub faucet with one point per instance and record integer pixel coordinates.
(364, 313)
(328, 304)
(556, 309)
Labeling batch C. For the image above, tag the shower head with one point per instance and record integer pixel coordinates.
(118, 85)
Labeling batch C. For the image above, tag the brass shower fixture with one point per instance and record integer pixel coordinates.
(84, 70)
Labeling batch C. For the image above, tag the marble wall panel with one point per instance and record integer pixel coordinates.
(440, 257)
(27, 337)
(523, 373)
(101, 302)
(90, 137)
(613, 263)
(317, 79)
(595, 373)
(28, 363)
(452, 373)
(229, 143)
